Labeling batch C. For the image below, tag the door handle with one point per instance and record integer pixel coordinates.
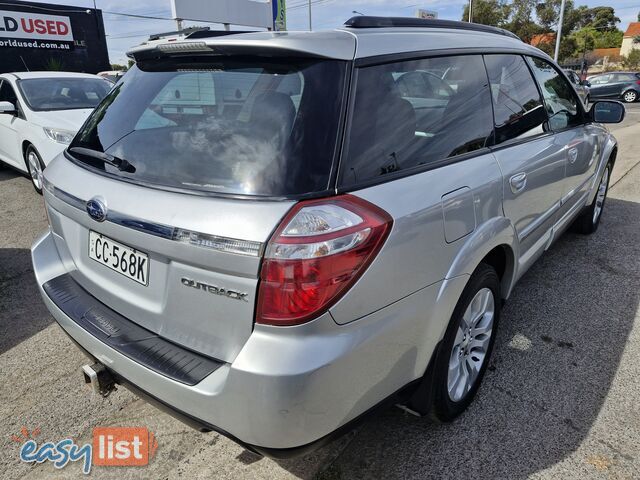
(518, 182)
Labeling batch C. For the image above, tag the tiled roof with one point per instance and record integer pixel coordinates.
(633, 29)
(543, 38)
(606, 52)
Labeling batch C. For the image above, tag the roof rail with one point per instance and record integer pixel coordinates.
(184, 32)
(362, 21)
(217, 33)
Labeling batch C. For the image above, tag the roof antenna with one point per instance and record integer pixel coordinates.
(25, 63)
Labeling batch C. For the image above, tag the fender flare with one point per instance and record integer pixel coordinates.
(495, 232)
(610, 145)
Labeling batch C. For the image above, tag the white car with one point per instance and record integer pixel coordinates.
(40, 113)
(112, 75)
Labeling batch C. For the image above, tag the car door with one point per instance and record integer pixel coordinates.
(624, 82)
(604, 86)
(532, 162)
(10, 151)
(567, 120)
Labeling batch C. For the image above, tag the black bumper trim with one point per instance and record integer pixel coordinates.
(126, 337)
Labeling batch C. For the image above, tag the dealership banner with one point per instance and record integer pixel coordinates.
(33, 30)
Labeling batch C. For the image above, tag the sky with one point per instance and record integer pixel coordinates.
(126, 32)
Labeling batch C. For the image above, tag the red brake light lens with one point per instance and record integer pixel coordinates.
(319, 251)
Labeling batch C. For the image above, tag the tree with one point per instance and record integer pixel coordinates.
(548, 14)
(488, 12)
(585, 40)
(521, 20)
(632, 61)
(609, 39)
(604, 18)
(117, 67)
(568, 46)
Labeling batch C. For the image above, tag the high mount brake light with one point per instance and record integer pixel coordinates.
(317, 253)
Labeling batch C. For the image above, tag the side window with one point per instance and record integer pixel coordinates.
(559, 98)
(600, 80)
(517, 105)
(573, 78)
(407, 115)
(624, 77)
(7, 94)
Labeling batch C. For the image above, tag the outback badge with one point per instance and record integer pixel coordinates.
(187, 282)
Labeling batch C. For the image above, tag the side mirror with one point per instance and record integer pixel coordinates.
(8, 107)
(585, 83)
(607, 112)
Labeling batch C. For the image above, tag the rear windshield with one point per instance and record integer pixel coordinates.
(249, 126)
(46, 94)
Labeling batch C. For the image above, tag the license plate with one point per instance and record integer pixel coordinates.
(118, 257)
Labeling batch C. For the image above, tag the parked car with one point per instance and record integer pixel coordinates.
(112, 75)
(581, 86)
(333, 243)
(623, 85)
(40, 112)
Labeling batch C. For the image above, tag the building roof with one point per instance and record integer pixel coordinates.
(543, 38)
(633, 29)
(606, 52)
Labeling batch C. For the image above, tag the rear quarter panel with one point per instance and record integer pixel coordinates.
(417, 253)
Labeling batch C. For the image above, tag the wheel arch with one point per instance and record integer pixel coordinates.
(609, 154)
(25, 145)
(494, 243)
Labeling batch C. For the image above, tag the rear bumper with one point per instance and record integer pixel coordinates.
(401, 395)
(289, 387)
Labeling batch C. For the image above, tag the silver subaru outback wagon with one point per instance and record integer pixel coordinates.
(273, 234)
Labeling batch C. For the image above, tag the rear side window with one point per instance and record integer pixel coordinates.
(517, 105)
(224, 125)
(625, 77)
(559, 97)
(408, 114)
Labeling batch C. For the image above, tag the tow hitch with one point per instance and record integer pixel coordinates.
(99, 379)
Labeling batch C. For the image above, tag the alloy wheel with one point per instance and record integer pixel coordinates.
(35, 169)
(630, 97)
(601, 195)
(471, 344)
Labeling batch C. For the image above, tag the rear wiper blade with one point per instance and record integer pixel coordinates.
(119, 163)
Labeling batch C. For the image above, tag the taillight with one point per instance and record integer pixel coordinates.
(317, 253)
(638, 82)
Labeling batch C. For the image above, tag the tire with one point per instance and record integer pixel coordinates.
(449, 398)
(630, 96)
(589, 220)
(35, 167)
